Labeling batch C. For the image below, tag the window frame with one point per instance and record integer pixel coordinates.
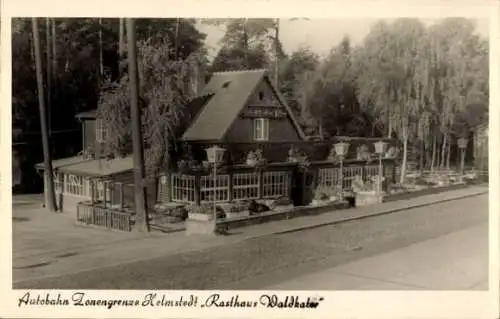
(261, 129)
(101, 132)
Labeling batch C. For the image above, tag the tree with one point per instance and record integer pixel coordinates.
(164, 94)
(243, 45)
(295, 73)
(417, 79)
(333, 97)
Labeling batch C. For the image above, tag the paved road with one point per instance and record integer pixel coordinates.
(271, 260)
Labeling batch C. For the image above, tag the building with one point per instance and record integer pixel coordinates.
(240, 111)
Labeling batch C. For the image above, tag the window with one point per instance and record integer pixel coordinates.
(328, 177)
(101, 131)
(75, 185)
(261, 96)
(261, 129)
(275, 184)
(350, 173)
(182, 188)
(221, 188)
(245, 186)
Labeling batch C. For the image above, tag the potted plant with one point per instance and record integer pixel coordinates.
(202, 212)
(333, 194)
(366, 193)
(332, 156)
(255, 159)
(320, 197)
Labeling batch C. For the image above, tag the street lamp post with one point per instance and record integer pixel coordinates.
(214, 157)
(380, 149)
(341, 149)
(462, 145)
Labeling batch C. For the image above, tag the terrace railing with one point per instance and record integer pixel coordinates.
(106, 217)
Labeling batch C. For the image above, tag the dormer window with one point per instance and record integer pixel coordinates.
(101, 131)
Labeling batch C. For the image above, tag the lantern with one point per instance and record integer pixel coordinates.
(341, 148)
(215, 154)
(380, 147)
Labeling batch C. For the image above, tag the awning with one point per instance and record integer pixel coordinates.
(94, 168)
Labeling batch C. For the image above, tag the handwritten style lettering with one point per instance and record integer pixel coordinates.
(79, 299)
(46, 300)
(215, 300)
(273, 301)
(153, 300)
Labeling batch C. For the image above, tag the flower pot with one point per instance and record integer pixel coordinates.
(334, 198)
(252, 162)
(244, 213)
(281, 208)
(201, 217)
(368, 198)
(318, 202)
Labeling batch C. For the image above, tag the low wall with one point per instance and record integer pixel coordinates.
(308, 211)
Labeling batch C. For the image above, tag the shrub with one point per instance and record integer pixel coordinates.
(180, 212)
(321, 193)
(255, 208)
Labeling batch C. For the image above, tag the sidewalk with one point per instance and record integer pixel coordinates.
(53, 245)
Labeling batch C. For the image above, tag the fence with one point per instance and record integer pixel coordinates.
(330, 177)
(227, 186)
(92, 214)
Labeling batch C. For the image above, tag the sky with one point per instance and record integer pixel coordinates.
(321, 34)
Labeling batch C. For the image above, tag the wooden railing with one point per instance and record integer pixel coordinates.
(106, 217)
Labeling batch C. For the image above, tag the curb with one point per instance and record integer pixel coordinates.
(383, 212)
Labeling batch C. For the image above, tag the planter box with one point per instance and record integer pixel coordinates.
(194, 226)
(244, 213)
(424, 191)
(319, 202)
(281, 208)
(368, 198)
(201, 217)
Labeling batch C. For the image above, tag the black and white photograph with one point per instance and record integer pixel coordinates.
(270, 154)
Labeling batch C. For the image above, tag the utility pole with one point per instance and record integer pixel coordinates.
(48, 44)
(101, 62)
(277, 52)
(54, 59)
(50, 198)
(121, 45)
(141, 209)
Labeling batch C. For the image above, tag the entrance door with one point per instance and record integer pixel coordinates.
(302, 187)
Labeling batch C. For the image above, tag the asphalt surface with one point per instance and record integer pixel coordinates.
(261, 262)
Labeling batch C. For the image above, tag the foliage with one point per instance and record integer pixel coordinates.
(295, 74)
(255, 158)
(297, 156)
(321, 193)
(164, 94)
(363, 153)
(244, 44)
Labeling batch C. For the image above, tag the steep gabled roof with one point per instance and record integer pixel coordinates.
(231, 91)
